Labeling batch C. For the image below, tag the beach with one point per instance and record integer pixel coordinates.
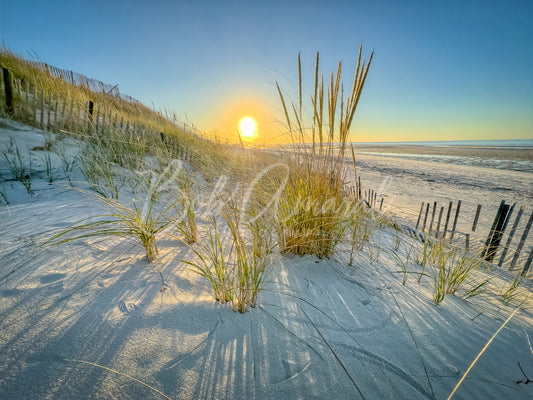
(406, 176)
(93, 319)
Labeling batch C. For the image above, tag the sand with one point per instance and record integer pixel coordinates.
(89, 320)
(405, 183)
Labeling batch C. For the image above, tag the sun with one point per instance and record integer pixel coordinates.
(248, 128)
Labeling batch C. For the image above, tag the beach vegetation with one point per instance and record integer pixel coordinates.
(48, 167)
(186, 224)
(403, 263)
(3, 194)
(312, 214)
(452, 268)
(143, 220)
(235, 265)
(359, 228)
(20, 168)
(512, 292)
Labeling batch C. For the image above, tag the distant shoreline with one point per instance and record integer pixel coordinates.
(510, 158)
(520, 143)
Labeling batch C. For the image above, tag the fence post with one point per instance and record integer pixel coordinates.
(35, 104)
(8, 90)
(48, 122)
(455, 220)
(447, 219)
(511, 234)
(476, 218)
(498, 228)
(56, 109)
(27, 90)
(91, 110)
(528, 263)
(438, 223)
(432, 217)
(64, 108)
(425, 218)
(42, 110)
(521, 243)
(102, 126)
(419, 215)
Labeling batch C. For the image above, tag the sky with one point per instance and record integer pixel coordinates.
(442, 70)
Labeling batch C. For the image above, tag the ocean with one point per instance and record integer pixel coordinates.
(514, 155)
(526, 143)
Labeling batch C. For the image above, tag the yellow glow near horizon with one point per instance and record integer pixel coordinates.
(248, 128)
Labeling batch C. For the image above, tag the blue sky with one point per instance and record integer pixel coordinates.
(441, 69)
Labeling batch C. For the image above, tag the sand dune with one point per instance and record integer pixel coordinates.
(89, 320)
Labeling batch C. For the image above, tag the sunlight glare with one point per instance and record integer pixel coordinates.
(248, 128)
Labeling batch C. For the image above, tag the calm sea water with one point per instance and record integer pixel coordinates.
(516, 155)
(479, 143)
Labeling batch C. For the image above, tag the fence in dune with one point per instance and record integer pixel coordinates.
(78, 79)
(50, 111)
(501, 246)
(504, 243)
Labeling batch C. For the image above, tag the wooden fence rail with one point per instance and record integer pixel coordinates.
(51, 112)
(491, 245)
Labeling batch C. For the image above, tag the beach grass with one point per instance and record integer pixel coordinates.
(20, 167)
(236, 264)
(313, 214)
(143, 220)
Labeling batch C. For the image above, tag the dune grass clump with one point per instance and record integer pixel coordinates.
(140, 221)
(187, 225)
(452, 269)
(512, 292)
(236, 265)
(360, 226)
(144, 219)
(313, 212)
(21, 170)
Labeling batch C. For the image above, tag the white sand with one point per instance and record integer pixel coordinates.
(404, 184)
(322, 330)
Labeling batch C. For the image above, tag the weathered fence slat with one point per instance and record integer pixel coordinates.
(521, 243)
(498, 228)
(455, 220)
(35, 104)
(49, 103)
(63, 110)
(476, 218)
(91, 110)
(444, 231)
(56, 109)
(432, 217)
(419, 215)
(438, 222)
(42, 110)
(8, 90)
(27, 91)
(425, 218)
(528, 263)
(510, 238)
(78, 113)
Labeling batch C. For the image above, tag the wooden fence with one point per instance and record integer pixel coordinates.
(52, 112)
(78, 79)
(498, 247)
